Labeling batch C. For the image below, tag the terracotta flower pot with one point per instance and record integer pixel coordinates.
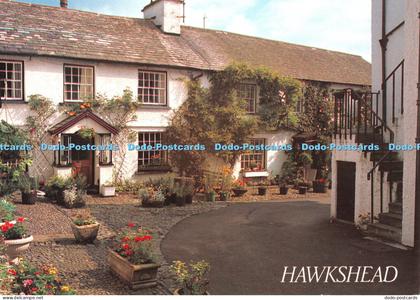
(16, 248)
(135, 276)
(85, 234)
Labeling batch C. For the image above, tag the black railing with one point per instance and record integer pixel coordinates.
(396, 91)
(355, 115)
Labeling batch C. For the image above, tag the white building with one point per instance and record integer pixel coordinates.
(387, 115)
(67, 55)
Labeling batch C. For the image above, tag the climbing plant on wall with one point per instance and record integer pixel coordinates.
(218, 115)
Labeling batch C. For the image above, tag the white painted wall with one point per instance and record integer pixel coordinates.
(403, 44)
(411, 50)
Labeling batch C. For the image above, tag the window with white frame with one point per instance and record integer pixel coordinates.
(151, 157)
(248, 92)
(11, 80)
(78, 83)
(254, 160)
(152, 87)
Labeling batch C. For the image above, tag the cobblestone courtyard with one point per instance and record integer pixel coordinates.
(85, 267)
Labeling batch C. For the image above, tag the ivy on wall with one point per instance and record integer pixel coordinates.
(218, 115)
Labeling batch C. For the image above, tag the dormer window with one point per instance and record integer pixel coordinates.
(248, 92)
(78, 83)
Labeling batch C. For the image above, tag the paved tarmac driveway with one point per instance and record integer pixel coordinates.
(248, 246)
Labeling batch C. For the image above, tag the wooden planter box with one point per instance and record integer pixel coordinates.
(135, 276)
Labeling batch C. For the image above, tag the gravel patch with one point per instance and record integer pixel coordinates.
(84, 267)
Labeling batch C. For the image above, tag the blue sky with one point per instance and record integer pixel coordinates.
(330, 24)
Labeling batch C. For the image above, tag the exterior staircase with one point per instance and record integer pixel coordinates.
(356, 116)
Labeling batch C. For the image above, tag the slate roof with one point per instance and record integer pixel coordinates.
(30, 29)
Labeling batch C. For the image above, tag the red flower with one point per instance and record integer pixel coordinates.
(125, 239)
(34, 289)
(126, 246)
(147, 238)
(131, 225)
(4, 228)
(138, 239)
(20, 220)
(11, 272)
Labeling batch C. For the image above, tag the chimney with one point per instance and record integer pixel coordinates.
(64, 3)
(166, 14)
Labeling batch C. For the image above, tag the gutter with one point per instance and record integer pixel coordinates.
(417, 192)
(383, 42)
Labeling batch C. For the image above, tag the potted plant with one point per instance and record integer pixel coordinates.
(7, 212)
(262, 188)
(74, 197)
(189, 192)
(211, 195)
(16, 238)
(284, 189)
(289, 172)
(302, 187)
(55, 187)
(131, 258)
(192, 278)
(85, 228)
(29, 189)
(29, 280)
(151, 198)
(239, 188)
(363, 222)
(320, 185)
(224, 195)
(181, 194)
(108, 189)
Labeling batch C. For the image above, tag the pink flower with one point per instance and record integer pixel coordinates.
(27, 282)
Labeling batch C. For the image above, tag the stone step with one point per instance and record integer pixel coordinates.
(388, 166)
(391, 219)
(395, 176)
(395, 208)
(386, 232)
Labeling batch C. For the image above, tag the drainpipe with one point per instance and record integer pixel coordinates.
(383, 42)
(417, 199)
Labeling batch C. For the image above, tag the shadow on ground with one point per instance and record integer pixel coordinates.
(248, 246)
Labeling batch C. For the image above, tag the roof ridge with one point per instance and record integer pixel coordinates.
(58, 8)
(272, 40)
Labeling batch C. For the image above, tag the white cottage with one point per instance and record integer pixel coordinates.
(68, 55)
(383, 187)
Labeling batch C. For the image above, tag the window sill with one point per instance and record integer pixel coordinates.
(154, 169)
(250, 174)
(13, 102)
(106, 165)
(159, 107)
(62, 166)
